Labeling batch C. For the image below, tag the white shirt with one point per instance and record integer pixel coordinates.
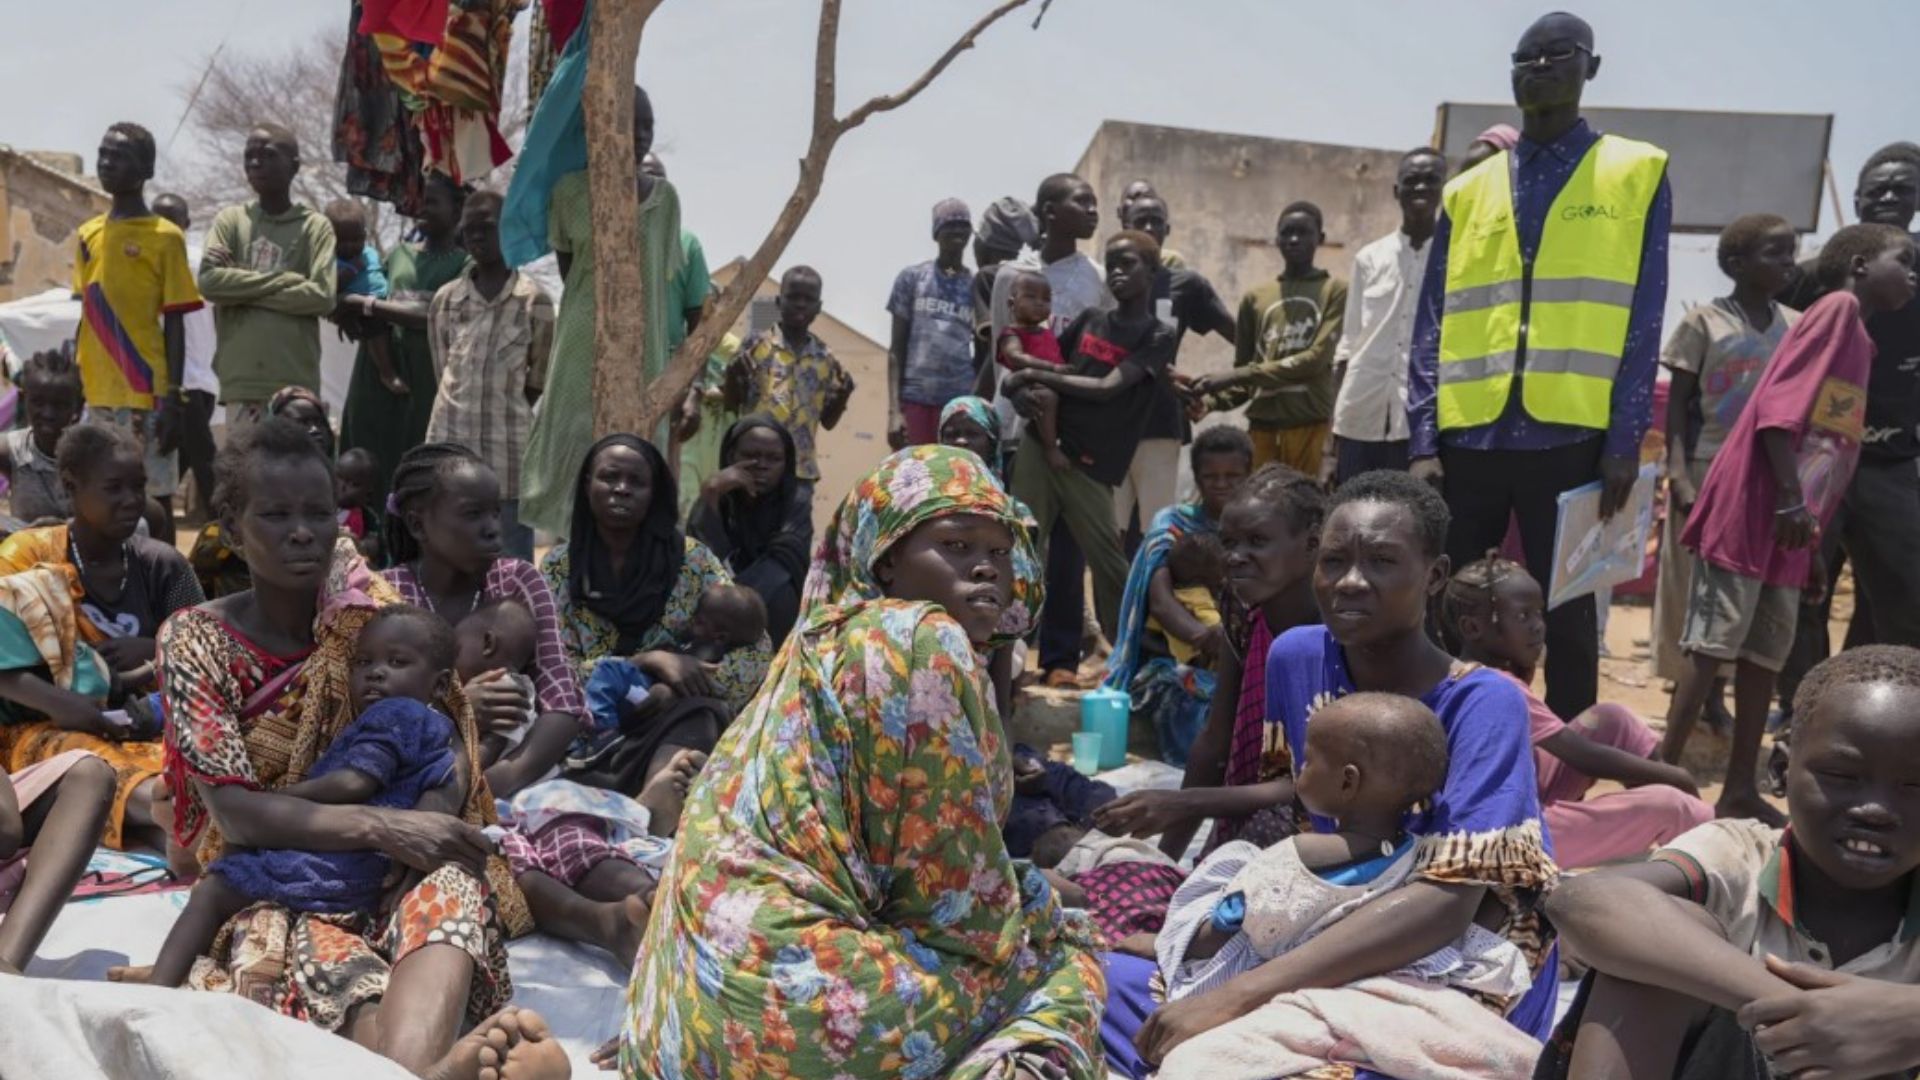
(200, 341)
(1372, 406)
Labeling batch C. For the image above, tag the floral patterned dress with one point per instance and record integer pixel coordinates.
(840, 902)
(589, 638)
(238, 714)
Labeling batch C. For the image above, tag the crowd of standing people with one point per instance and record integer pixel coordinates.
(769, 769)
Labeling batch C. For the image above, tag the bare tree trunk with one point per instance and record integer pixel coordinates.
(619, 288)
(661, 395)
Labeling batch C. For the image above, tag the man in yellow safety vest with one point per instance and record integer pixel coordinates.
(1538, 331)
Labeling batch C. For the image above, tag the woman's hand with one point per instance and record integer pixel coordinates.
(686, 675)
(427, 841)
(1143, 813)
(724, 482)
(1177, 1021)
(500, 705)
(606, 1057)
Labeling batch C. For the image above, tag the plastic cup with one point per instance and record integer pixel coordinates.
(1086, 752)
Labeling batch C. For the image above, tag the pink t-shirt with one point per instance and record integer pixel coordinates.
(1815, 388)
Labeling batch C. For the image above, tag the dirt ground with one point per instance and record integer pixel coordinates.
(1626, 676)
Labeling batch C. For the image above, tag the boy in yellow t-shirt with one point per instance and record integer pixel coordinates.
(135, 287)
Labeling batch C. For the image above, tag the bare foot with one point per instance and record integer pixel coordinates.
(8, 969)
(1749, 805)
(666, 793)
(512, 1044)
(130, 973)
(633, 911)
(619, 925)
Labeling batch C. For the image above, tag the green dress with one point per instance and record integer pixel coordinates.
(563, 421)
(376, 419)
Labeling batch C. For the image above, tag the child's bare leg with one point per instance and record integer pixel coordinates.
(1632, 1030)
(62, 828)
(212, 902)
(1683, 708)
(1049, 425)
(383, 362)
(566, 913)
(669, 777)
(1752, 695)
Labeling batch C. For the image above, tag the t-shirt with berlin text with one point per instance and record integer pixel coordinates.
(938, 307)
(1101, 436)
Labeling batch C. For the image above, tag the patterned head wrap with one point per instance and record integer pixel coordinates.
(980, 412)
(909, 489)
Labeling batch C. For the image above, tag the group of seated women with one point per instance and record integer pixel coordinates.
(774, 776)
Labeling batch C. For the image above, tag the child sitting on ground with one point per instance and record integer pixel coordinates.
(1496, 611)
(1028, 342)
(1198, 566)
(1123, 883)
(51, 399)
(1371, 760)
(585, 858)
(359, 274)
(397, 748)
(1742, 950)
(356, 476)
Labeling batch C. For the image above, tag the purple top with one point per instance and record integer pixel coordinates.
(1540, 171)
(555, 685)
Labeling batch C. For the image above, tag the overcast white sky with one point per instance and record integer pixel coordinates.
(731, 82)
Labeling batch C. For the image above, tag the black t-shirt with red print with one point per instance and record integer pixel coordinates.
(1101, 436)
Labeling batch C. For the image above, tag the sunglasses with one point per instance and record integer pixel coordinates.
(1558, 54)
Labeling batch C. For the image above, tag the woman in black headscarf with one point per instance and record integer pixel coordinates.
(756, 514)
(626, 583)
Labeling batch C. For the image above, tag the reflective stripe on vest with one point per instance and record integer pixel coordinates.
(1561, 321)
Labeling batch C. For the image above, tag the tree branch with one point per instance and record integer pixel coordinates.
(619, 288)
(826, 68)
(889, 102)
(664, 393)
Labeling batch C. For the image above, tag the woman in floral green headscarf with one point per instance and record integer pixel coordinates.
(839, 893)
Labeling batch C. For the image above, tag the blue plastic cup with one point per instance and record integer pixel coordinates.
(1086, 752)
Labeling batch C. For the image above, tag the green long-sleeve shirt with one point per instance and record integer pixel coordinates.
(268, 300)
(1283, 351)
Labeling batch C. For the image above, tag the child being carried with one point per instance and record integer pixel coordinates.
(1371, 760)
(1198, 566)
(620, 696)
(397, 748)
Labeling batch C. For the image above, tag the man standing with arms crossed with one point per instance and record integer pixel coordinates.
(1538, 332)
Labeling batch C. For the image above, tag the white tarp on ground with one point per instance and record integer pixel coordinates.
(65, 1023)
(73, 1026)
